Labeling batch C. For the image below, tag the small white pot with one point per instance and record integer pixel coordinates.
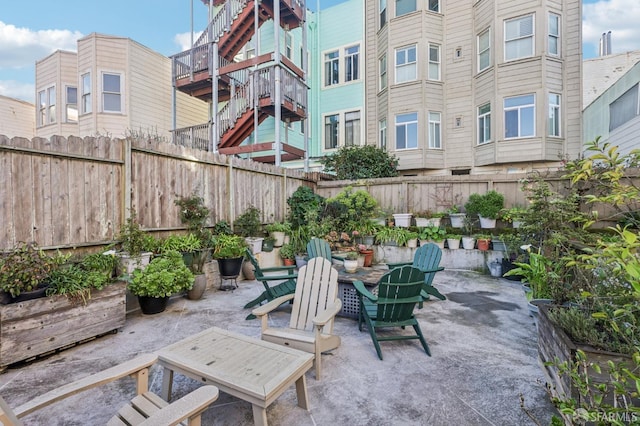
(350, 265)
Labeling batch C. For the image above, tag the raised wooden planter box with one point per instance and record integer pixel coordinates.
(36, 327)
(554, 343)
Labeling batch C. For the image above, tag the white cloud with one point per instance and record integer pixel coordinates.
(18, 90)
(184, 40)
(621, 17)
(21, 47)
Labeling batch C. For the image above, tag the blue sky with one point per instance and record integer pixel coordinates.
(30, 30)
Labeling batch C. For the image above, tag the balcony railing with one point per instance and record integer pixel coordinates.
(195, 137)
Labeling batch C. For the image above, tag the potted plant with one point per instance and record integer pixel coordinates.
(434, 234)
(513, 215)
(24, 272)
(483, 241)
(351, 262)
(456, 216)
(249, 225)
(411, 239)
(164, 276)
(453, 241)
(487, 206)
(428, 218)
(194, 214)
(137, 246)
(288, 254)
(278, 231)
(229, 250)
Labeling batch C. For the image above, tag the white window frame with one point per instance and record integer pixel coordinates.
(554, 123)
(382, 12)
(382, 66)
(554, 38)
(51, 104)
(408, 64)
(352, 128)
(104, 93)
(86, 103)
(435, 130)
(335, 136)
(434, 6)
(410, 123)
(71, 108)
(520, 38)
(415, 7)
(352, 63)
(382, 133)
(42, 108)
(520, 109)
(484, 51)
(433, 70)
(288, 45)
(484, 123)
(331, 74)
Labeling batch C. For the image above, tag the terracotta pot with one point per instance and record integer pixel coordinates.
(368, 257)
(289, 262)
(483, 244)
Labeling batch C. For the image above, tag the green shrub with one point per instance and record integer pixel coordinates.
(361, 162)
(162, 277)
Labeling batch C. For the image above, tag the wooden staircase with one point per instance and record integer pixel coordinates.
(228, 31)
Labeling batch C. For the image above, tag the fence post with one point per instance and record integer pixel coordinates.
(231, 191)
(127, 176)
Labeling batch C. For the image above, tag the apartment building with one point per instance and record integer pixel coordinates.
(112, 86)
(474, 86)
(17, 118)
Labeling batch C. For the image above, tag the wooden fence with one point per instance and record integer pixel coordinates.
(74, 192)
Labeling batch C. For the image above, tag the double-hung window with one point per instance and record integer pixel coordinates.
(484, 124)
(352, 128)
(554, 34)
(383, 13)
(111, 93)
(435, 132)
(71, 110)
(518, 38)
(47, 106)
(42, 108)
(406, 64)
(86, 93)
(405, 6)
(331, 68)
(331, 127)
(554, 115)
(434, 5)
(352, 63)
(624, 108)
(288, 45)
(484, 50)
(382, 65)
(51, 97)
(519, 116)
(434, 62)
(407, 131)
(382, 134)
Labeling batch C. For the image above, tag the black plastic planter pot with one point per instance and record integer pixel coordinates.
(230, 268)
(152, 305)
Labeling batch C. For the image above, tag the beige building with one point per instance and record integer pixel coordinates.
(474, 86)
(112, 86)
(17, 118)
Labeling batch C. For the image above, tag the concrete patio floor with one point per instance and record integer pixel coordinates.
(482, 341)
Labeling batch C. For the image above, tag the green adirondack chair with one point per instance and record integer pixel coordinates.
(427, 259)
(284, 274)
(317, 247)
(398, 293)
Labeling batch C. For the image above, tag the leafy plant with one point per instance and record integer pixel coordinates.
(538, 272)
(163, 276)
(249, 224)
(182, 243)
(433, 233)
(302, 201)
(352, 255)
(133, 239)
(287, 251)
(228, 247)
(278, 227)
(361, 162)
(222, 227)
(388, 234)
(357, 205)
(488, 205)
(512, 214)
(26, 267)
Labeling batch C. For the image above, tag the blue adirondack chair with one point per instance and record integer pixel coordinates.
(427, 259)
(399, 290)
(317, 247)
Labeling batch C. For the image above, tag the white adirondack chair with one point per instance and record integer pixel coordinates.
(146, 408)
(315, 305)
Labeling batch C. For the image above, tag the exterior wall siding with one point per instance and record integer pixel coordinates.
(18, 118)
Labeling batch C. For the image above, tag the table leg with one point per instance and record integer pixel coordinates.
(301, 393)
(259, 415)
(167, 383)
